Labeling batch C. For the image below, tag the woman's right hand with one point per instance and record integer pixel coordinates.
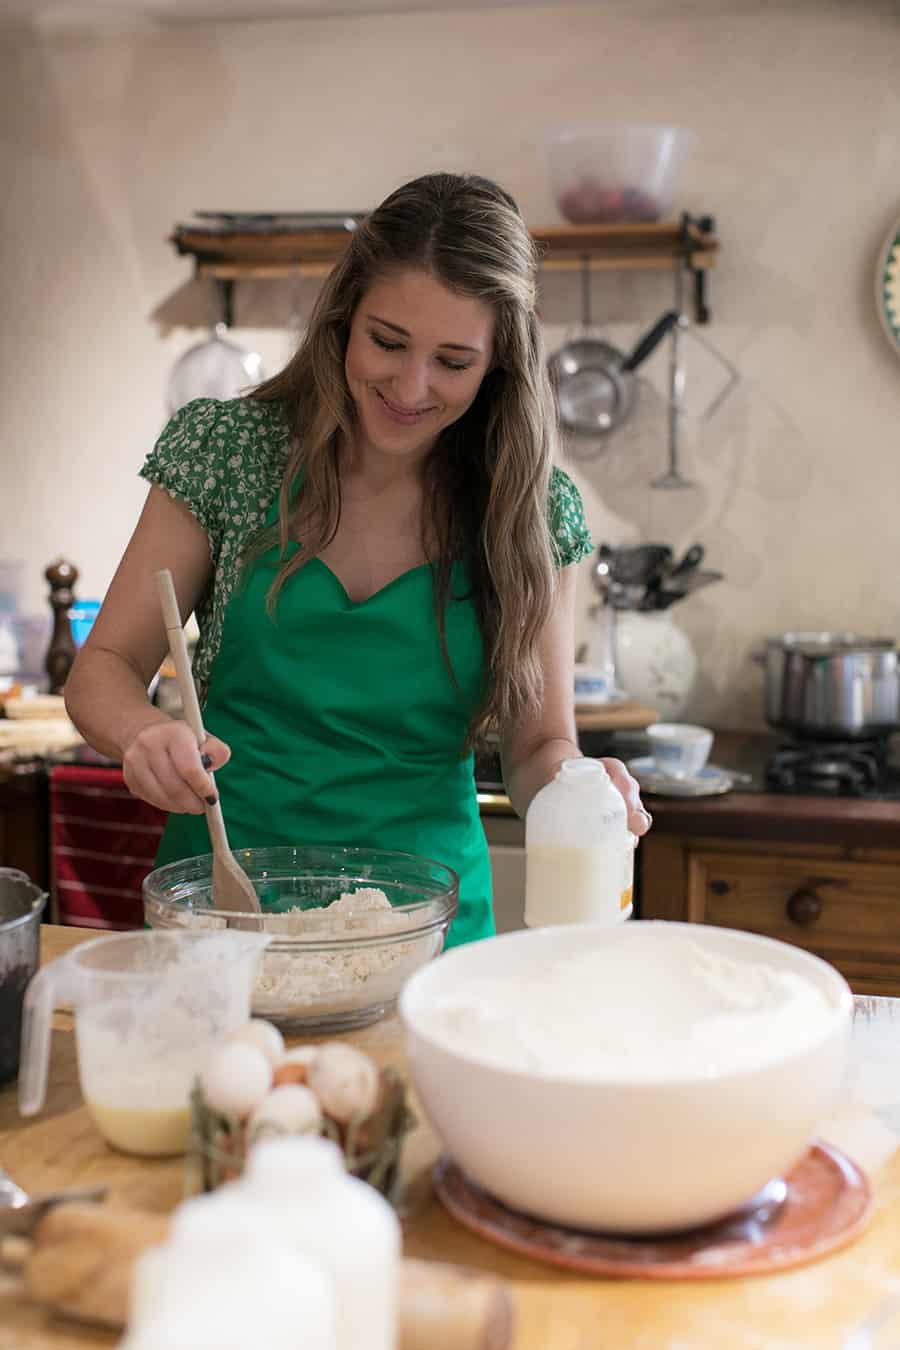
(162, 765)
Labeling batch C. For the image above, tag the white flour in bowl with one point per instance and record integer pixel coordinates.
(298, 983)
(295, 984)
(651, 1011)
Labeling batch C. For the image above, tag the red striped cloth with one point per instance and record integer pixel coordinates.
(103, 843)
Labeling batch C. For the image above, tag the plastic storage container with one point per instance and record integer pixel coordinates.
(613, 174)
(340, 1224)
(579, 852)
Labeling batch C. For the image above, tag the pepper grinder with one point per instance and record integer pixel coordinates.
(62, 576)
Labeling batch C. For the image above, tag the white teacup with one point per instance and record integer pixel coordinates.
(679, 749)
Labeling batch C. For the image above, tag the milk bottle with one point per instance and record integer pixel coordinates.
(579, 853)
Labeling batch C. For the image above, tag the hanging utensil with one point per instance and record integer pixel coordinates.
(232, 889)
(687, 564)
(683, 586)
(215, 368)
(594, 380)
(673, 477)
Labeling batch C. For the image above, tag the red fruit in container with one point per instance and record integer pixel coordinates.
(590, 202)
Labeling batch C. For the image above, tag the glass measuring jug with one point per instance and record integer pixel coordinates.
(148, 1009)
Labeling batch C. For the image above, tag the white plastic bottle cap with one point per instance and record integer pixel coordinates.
(572, 769)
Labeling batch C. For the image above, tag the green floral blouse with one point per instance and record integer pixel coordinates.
(225, 461)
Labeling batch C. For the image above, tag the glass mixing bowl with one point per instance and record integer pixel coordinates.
(322, 971)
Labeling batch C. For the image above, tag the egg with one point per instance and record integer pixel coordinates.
(294, 1067)
(236, 1079)
(264, 1036)
(290, 1109)
(345, 1081)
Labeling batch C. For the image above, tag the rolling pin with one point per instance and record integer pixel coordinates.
(80, 1260)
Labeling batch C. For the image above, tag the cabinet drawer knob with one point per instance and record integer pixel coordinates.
(804, 906)
(720, 887)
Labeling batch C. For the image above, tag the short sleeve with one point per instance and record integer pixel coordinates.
(567, 523)
(189, 461)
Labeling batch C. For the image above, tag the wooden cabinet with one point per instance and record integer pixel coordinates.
(840, 901)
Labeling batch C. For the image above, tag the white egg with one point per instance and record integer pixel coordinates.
(345, 1081)
(264, 1036)
(236, 1078)
(289, 1109)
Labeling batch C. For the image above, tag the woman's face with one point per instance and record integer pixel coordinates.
(416, 356)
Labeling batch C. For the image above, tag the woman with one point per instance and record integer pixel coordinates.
(380, 556)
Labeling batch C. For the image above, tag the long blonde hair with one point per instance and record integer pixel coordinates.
(488, 474)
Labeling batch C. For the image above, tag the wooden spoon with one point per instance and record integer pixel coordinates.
(232, 888)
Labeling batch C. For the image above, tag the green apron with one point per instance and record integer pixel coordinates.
(345, 726)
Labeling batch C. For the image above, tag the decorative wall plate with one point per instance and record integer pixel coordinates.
(887, 286)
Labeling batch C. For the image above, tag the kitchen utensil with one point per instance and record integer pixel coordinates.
(831, 686)
(670, 590)
(673, 479)
(679, 749)
(710, 376)
(602, 646)
(664, 576)
(233, 889)
(149, 1007)
(21, 1215)
(594, 380)
(640, 565)
(214, 368)
(609, 173)
(688, 563)
(21, 906)
(321, 973)
(562, 1146)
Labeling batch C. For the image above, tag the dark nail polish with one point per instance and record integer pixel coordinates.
(206, 761)
(211, 801)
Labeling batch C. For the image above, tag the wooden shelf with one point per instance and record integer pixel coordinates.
(239, 255)
(228, 256)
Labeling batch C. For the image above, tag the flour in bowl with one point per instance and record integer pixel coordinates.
(297, 983)
(650, 1011)
(299, 978)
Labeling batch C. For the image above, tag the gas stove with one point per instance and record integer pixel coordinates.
(834, 769)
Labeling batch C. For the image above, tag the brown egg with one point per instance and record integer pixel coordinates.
(289, 1073)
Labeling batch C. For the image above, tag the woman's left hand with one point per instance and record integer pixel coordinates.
(639, 819)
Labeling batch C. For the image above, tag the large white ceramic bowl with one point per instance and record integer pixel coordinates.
(630, 1152)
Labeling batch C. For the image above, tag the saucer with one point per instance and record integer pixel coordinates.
(709, 782)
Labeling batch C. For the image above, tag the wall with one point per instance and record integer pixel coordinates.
(111, 135)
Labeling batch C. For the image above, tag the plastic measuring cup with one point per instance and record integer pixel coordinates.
(148, 1009)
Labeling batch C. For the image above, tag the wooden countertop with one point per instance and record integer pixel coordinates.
(814, 1306)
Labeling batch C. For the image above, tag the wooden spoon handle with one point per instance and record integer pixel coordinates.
(179, 652)
(188, 690)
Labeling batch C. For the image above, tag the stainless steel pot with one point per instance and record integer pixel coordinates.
(21, 906)
(832, 686)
